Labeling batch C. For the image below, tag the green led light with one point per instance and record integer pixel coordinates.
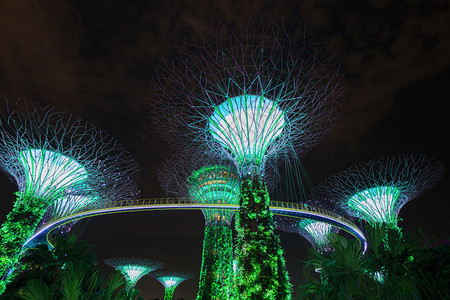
(133, 268)
(377, 204)
(51, 155)
(216, 274)
(215, 185)
(49, 173)
(246, 125)
(261, 267)
(379, 276)
(170, 281)
(319, 231)
(133, 273)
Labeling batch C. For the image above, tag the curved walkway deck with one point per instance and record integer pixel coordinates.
(293, 210)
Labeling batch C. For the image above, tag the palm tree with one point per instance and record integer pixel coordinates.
(67, 272)
(395, 266)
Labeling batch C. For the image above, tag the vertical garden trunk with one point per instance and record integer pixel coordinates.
(19, 226)
(262, 272)
(217, 263)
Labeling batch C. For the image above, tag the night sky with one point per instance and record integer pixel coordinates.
(96, 59)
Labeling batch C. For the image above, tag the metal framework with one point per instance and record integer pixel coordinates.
(314, 231)
(133, 269)
(204, 179)
(65, 206)
(375, 191)
(53, 157)
(208, 181)
(250, 93)
(170, 281)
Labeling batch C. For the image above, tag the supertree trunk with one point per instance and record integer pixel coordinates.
(168, 293)
(249, 94)
(262, 272)
(217, 263)
(19, 225)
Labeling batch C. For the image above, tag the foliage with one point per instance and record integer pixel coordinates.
(261, 272)
(19, 226)
(217, 263)
(396, 266)
(66, 272)
(168, 293)
(431, 269)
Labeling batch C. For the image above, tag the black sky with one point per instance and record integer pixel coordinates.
(95, 59)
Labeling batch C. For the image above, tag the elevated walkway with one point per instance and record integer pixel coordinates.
(293, 210)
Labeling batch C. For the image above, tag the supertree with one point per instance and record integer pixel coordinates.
(250, 93)
(375, 191)
(133, 269)
(170, 281)
(120, 186)
(52, 155)
(315, 232)
(209, 181)
(67, 205)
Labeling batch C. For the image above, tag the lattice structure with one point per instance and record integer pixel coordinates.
(133, 269)
(250, 93)
(315, 232)
(375, 191)
(210, 181)
(51, 156)
(204, 179)
(118, 186)
(170, 281)
(65, 206)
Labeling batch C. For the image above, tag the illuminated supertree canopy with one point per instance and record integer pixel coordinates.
(133, 269)
(209, 181)
(120, 185)
(65, 206)
(70, 204)
(375, 191)
(315, 232)
(249, 94)
(170, 281)
(52, 158)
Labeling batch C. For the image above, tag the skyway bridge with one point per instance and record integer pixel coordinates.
(294, 210)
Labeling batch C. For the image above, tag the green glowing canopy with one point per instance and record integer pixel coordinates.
(246, 125)
(48, 174)
(215, 185)
(133, 268)
(170, 281)
(376, 205)
(133, 273)
(319, 231)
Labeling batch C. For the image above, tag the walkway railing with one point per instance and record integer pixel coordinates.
(279, 208)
